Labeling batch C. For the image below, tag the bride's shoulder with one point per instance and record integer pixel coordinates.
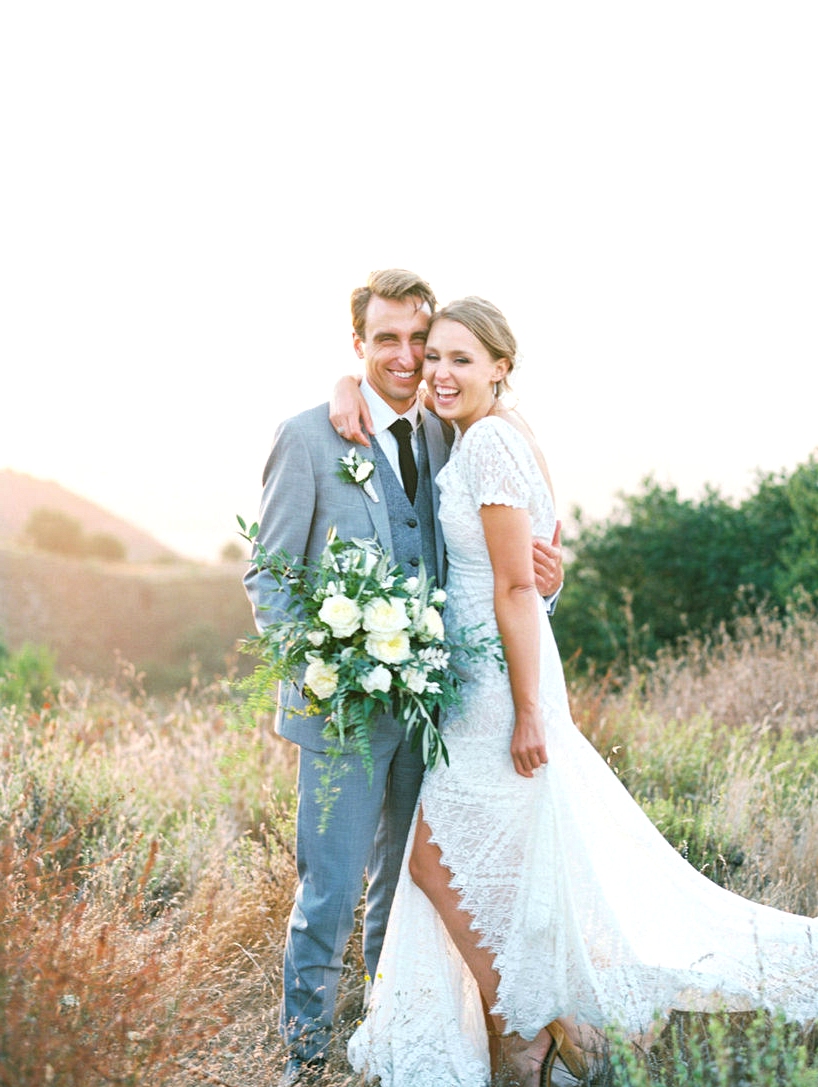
(494, 431)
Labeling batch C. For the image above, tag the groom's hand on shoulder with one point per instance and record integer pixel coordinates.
(548, 572)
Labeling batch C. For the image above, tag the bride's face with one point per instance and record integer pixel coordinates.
(460, 373)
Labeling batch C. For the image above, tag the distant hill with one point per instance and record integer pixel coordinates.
(21, 494)
(155, 610)
(157, 617)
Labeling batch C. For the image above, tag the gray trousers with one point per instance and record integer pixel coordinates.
(366, 832)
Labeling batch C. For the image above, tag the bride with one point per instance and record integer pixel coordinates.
(535, 894)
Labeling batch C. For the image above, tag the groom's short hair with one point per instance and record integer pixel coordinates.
(394, 283)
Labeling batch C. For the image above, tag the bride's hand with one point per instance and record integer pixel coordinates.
(528, 744)
(348, 411)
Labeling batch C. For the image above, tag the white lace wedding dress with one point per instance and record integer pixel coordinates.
(588, 910)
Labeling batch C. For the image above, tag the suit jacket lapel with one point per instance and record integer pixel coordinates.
(438, 448)
(378, 511)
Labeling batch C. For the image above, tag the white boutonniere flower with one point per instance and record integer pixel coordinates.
(355, 468)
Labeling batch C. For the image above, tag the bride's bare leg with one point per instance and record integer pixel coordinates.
(428, 872)
(434, 879)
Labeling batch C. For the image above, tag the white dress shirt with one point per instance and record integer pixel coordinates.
(382, 418)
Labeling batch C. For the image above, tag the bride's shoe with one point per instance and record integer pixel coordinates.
(547, 1067)
(525, 1059)
(565, 1051)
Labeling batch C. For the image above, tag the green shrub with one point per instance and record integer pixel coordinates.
(27, 677)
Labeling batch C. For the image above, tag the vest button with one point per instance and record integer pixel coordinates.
(412, 523)
(414, 562)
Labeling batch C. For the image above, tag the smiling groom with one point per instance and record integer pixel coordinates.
(303, 497)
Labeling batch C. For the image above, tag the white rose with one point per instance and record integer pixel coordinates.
(438, 596)
(342, 615)
(364, 470)
(415, 679)
(411, 584)
(379, 679)
(389, 648)
(385, 616)
(321, 678)
(316, 637)
(430, 626)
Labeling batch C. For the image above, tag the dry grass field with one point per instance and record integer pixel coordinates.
(146, 864)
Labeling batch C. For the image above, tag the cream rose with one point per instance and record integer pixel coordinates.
(321, 678)
(389, 648)
(379, 679)
(342, 615)
(430, 626)
(385, 616)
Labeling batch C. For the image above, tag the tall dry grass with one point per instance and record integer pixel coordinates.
(147, 868)
(146, 871)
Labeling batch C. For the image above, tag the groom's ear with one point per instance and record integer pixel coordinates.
(358, 344)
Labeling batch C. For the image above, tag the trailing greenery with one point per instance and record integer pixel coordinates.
(662, 567)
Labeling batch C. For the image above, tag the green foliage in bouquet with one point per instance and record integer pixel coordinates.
(361, 639)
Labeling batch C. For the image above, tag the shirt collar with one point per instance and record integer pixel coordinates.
(382, 415)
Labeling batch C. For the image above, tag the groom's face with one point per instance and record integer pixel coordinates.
(392, 347)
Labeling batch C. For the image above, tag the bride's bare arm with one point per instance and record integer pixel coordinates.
(348, 411)
(548, 570)
(516, 605)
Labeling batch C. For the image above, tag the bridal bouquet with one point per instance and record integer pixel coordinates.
(361, 639)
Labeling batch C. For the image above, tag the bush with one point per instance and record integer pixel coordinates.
(102, 545)
(55, 531)
(662, 568)
(26, 677)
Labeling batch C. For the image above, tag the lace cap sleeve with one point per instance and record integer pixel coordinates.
(498, 464)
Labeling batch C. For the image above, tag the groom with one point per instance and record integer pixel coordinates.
(303, 498)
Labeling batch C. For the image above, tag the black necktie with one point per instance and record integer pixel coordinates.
(402, 429)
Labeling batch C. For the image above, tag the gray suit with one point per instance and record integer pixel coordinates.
(303, 499)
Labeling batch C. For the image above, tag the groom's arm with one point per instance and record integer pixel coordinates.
(285, 517)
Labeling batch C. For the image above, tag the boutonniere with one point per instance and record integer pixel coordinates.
(355, 468)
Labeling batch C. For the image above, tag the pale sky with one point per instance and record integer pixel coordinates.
(189, 192)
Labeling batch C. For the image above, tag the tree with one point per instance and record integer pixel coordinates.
(102, 545)
(661, 567)
(232, 552)
(53, 530)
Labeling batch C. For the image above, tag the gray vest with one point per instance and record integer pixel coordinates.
(412, 526)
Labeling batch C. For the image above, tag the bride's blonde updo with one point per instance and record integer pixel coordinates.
(487, 324)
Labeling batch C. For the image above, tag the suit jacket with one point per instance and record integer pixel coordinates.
(303, 498)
